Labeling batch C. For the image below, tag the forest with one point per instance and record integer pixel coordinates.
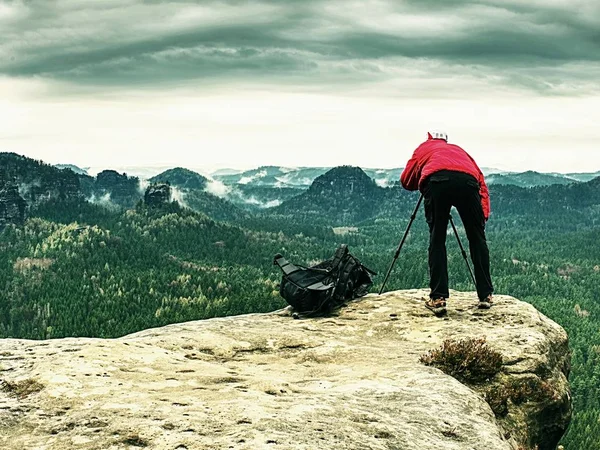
(76, 268)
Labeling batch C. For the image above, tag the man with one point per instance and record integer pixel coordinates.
(447, 176)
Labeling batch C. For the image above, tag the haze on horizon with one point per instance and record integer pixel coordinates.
(214, 84)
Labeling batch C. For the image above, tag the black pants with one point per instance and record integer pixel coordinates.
(441, 191)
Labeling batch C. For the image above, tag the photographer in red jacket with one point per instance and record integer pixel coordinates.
(447, 176)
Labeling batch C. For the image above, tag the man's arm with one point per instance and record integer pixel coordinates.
(485, 197)
(411, 174)
(483, 192)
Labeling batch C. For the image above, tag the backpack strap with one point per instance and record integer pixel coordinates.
(320, 286)
(342, 288)
(286, 267)
(372, 272)
(340, 254)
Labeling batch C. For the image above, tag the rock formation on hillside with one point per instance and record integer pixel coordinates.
(344, 195)
(12, 206)
(344, 180)
(38, 182)
(350, 381)
(123, 190)
(157, 194)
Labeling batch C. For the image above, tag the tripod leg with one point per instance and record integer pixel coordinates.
(412, 218)
(464, 253)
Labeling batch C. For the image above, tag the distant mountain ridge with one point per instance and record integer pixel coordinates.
(301, 178)
(346, 195)
(273, 176)
(529, 179)
(582, 176)
(73, 167)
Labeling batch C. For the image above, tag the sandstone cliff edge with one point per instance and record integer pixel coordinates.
(350, 381)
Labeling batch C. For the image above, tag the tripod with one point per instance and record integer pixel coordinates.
(412, 219)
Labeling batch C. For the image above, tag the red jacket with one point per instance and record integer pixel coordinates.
(434, 155)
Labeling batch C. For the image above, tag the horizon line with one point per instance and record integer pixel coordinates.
(210, 171)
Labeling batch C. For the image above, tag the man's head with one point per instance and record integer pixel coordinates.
(437, 135)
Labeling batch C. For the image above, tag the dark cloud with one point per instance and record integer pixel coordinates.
(551, 47)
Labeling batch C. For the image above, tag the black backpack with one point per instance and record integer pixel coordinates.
(321, 288)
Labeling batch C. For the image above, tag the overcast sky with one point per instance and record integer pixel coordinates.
(212, 84)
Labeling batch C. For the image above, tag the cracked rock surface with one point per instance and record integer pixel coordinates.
(350, 381)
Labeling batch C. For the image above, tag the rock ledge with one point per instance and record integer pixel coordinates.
(352, 381)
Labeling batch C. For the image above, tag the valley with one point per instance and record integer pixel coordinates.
(88, 257)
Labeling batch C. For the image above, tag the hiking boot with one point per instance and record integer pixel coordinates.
(437, 306)
(486, 303)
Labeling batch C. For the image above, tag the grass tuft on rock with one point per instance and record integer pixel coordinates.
(21, 389)
(467, 360)
(520, 390)
(135, 440)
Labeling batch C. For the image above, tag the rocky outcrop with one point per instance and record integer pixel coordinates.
(157, 195)
(38, 183)
(12, 206)
(350, 381)
(121, 189)
(344, 194)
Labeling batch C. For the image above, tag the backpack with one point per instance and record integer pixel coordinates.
(321, 288)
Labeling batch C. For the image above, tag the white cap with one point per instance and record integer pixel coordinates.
(437, 135)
